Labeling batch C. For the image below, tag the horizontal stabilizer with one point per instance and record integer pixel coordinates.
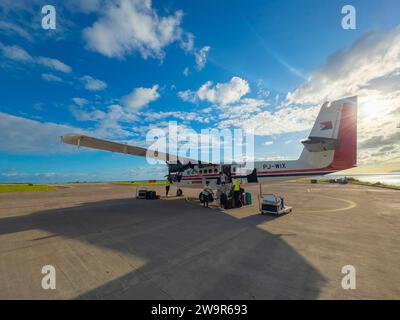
(320, 144)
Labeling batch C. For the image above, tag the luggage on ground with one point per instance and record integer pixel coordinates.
(142, 194)
(248, 198)
(151, 195)
(229, 203)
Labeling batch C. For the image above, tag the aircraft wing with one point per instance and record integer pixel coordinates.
(95, 143)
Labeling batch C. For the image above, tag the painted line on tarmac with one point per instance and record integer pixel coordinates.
(351, 205)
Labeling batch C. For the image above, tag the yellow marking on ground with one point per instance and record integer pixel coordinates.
(351, 205)
(233, 212)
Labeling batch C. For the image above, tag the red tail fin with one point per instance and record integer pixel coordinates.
(346, 153)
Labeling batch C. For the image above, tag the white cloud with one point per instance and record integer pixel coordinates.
(82, 115)
(269, 143)
(111, 126)
(243, 109)
(26, 136)
(24, 18)
(140, 97)
(116, 121)
(80, 101)
(18, 54)
(262, 91)
(370, 68)
(51, 77)
(54, 64)
(187, 42)
(348, 71)
(224, 93)
(113, 123)
(201, 57)
(180, 115)
(7, 27)
(188, 95)
(93, 84)
(133, 26)
(186, 72)
(249, 114)
(266, 123)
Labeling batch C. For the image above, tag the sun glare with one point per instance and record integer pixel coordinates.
(373, 107)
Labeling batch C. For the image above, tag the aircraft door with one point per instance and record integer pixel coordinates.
(252, 177)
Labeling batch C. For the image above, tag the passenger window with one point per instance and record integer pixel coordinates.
(216, 170)
(200, 171)
(210, 171)
(234, 169)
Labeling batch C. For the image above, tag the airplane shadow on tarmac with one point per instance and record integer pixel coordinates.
(190, 252)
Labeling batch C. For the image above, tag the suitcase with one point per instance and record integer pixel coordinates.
(243, 199)
(142, 194)
(248, 198)
(229, 204)
(151, 195)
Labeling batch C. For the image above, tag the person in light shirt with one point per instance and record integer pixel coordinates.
(222, 177)
(224, 193)
(207, 194)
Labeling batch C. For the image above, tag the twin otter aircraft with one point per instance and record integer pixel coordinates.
(330, 147)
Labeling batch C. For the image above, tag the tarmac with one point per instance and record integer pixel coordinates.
(105, 244)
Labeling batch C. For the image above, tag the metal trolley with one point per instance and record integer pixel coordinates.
(272, 204)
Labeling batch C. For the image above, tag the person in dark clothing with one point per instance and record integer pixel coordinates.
(224, 191)
(236, 193)
(167, 186)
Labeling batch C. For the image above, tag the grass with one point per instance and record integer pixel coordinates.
(140, 183)
(353, 181)
(25, 187)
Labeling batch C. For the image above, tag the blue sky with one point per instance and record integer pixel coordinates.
(114, 73)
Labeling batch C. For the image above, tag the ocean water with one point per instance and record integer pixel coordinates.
(390, 178)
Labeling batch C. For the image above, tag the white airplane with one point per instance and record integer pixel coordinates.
(330, 147)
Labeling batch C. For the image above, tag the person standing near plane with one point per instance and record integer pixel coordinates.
(222, 177)
(224, 190)
(236, 193)
(207, 194)
(218, 193)
(167, 186)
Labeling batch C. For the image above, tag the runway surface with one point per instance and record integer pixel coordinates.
(104, 244)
